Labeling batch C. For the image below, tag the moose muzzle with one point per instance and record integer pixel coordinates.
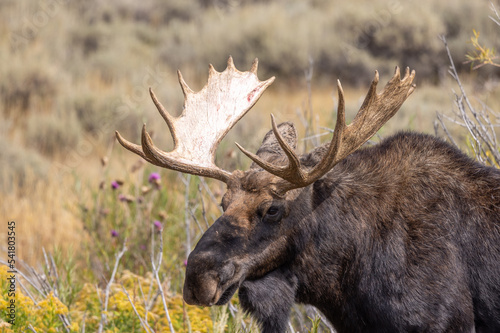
(208, 283)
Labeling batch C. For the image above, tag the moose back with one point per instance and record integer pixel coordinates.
(403, 236)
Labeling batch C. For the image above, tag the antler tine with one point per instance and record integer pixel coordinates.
(152, 153)
(136, 149)
(255, 66)
(230, 63)
(165, 115)
(206, 118)
(289, 152)
(275, 170)
(285, 172)
(185, 88)
(211, 70)
(329, 159)
(375, 111)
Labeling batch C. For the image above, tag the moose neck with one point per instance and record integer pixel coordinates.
(330, 223)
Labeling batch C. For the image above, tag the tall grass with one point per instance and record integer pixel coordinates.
(44, 214)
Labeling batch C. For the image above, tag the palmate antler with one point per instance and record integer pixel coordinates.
(210, 113)
(207, 117)
(375, 111)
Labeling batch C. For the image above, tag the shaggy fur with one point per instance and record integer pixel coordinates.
(403, 236)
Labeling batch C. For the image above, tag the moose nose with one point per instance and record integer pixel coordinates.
(189, 296)
(201, 294)
(206, 287)
(200, 288)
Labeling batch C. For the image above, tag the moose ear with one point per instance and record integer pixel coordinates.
(270, 149)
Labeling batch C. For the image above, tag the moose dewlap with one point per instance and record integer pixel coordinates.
(403, 236)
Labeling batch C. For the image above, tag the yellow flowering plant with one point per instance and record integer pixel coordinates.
(43, 316)
(143, 292)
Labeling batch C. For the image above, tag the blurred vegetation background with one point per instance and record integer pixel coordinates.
(72, 72)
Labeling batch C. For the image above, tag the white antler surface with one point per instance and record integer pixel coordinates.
(210, 113)
(206, 118)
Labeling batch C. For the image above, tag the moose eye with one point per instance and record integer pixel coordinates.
(273, 214)
(272, 211)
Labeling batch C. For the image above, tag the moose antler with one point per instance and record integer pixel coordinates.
(375, 111)
(206, 118)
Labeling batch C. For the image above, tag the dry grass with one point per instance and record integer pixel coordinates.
(45, 217)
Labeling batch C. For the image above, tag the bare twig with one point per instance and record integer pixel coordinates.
(144, 301)
(82, 330)
(306, 114)
(234, 313)
(28, 279)
(439, 116)
(310, 114)
(156, 268)
(495, 19)
(186, 317)
(27, 292)
(187, 180)
(477, 122)
(203, 211)
(196, 220)
(50, 268)
(210, 193)
(108, 288)
(144, 323)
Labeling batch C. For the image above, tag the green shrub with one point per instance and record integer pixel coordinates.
(91, 110)
(19, 166)
(52, 134)
(24, 87)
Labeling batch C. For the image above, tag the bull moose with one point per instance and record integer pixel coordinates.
(401, 236)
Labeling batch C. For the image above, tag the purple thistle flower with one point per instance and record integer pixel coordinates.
(114, 233)
(154, 177)
(126, 198)
(115, 185)
(185, 263)
(158, 225)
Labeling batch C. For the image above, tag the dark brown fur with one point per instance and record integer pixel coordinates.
(403, 236)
